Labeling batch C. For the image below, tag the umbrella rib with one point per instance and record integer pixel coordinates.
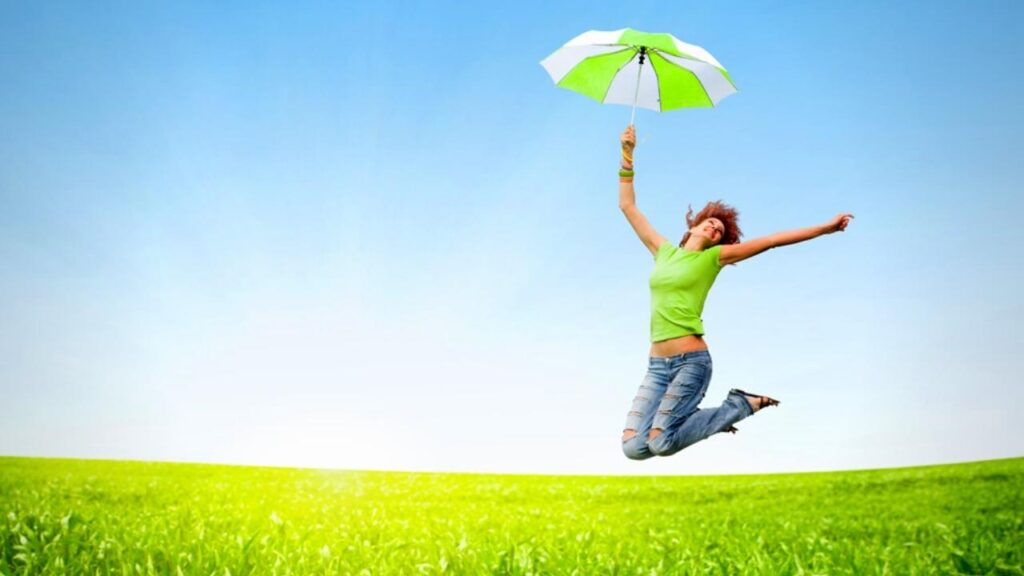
(617, 72)
(650, 64)
(704, 88)
(699, 82)
(691, 73)
(656, 85)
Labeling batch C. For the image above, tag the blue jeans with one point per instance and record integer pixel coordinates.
(668, 399)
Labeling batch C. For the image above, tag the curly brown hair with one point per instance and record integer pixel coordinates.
(718, 209)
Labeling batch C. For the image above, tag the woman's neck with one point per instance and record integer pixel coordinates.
(694, 244)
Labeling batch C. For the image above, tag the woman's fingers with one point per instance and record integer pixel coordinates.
(629, 137)
(841, 221)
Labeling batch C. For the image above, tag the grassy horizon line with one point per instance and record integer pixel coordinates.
(56, 459)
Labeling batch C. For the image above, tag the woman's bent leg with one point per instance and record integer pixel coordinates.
(689, 384)
(691, 373)
(703, 423)
(641, 414)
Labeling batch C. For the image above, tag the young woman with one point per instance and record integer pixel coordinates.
(664, 417)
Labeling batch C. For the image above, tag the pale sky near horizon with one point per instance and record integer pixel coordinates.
(376, 236)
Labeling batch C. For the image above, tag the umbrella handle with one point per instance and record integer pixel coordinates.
(636, 93)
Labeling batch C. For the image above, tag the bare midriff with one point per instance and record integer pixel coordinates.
(677, 346)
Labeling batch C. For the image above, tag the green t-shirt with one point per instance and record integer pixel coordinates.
(679, 285)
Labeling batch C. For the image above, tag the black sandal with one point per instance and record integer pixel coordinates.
(764, 400)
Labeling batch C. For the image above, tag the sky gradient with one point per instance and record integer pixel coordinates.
(376, 236)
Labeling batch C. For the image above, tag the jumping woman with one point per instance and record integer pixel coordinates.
(664, 418)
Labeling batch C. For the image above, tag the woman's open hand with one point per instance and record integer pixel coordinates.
(838, 224)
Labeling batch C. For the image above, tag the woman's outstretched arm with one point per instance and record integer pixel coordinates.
(627, 196)
(733, 253)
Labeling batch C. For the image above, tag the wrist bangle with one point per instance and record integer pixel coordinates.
(625, 173)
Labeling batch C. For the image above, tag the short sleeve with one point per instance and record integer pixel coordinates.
(664, 251)
(714, 255)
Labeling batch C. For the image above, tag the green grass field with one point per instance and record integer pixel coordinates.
(102, 517)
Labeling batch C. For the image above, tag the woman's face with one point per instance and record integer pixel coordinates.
(712, 229)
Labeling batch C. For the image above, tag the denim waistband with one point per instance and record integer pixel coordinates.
(684, 356)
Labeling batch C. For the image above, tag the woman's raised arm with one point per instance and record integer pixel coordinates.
(733, 253)
(627, 195)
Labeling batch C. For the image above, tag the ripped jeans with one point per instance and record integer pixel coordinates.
(668, 399)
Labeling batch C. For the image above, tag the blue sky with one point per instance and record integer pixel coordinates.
(377, 236)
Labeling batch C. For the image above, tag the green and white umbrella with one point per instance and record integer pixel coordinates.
(654, 71)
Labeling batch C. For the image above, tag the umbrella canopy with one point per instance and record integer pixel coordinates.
(654, 71)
